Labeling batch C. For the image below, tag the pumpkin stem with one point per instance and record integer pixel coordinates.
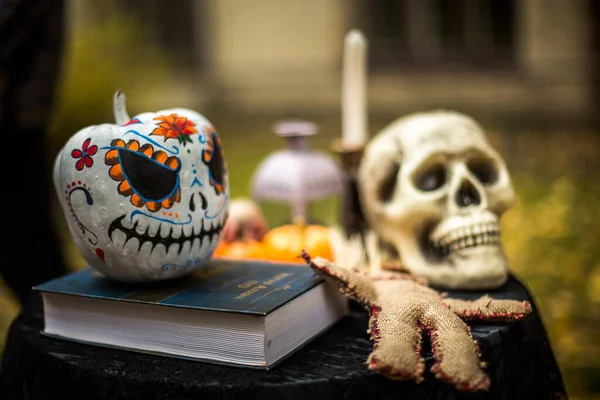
(120, 108)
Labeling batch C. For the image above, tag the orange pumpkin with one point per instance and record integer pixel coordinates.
(250, 249)
(285, 243)
(221, 249)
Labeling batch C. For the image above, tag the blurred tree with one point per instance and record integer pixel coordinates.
(173, 31)
(31, 46)
(108, 53)
(438, 34)
(595, 57)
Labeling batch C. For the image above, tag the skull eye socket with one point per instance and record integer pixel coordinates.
(484, 170)
(431, 178)
(386, 189)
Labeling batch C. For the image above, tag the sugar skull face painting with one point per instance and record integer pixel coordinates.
(145, 198)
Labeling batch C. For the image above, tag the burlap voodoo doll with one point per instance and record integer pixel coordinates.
(402, 307)
(432, 192)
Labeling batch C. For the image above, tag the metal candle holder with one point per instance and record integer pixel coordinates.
(352, 218)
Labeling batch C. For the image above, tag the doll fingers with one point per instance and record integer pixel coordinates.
(455, 352)
(396, 346)
(487, 308)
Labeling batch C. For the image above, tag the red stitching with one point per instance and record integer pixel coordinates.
(504, 316)
(394, 373)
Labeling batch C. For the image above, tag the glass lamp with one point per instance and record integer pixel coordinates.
(296, 175)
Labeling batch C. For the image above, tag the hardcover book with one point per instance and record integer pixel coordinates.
(244, 313)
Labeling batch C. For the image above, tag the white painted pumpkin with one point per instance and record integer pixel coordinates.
(146, 198)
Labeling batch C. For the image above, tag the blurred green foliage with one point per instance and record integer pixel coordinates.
(98, 60)
(550, 236)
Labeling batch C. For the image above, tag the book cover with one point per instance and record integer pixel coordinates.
(249, 287)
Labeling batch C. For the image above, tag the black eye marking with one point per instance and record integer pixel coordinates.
(217, 163)
(433, 178)
(149, 179)
(214, 158)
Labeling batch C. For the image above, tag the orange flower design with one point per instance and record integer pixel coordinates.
(157, 190)
(175, 127)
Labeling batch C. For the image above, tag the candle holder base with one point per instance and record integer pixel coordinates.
(352, 218)
(350, 156)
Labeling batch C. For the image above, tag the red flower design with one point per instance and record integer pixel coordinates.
(132, 122)
(84, 155)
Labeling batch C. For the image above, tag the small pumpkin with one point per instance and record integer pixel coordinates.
(240, 250)
(285, 243)
(245, 221)
(221, 249)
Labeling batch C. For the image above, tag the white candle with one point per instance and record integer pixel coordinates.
(354, 107)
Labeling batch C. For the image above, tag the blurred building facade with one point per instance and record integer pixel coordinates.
(516, 59)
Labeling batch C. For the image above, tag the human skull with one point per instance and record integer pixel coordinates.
(433, 189)
(145, 199)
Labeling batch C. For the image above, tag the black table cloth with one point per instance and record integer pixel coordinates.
(520, 361)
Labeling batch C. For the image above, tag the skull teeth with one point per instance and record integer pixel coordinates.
(208, 231)
(466, 237)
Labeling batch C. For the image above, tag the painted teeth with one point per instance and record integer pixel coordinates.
(462, 238)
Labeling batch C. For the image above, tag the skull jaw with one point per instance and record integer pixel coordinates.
(476, 268)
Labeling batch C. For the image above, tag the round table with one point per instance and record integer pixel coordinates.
(520, 361)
